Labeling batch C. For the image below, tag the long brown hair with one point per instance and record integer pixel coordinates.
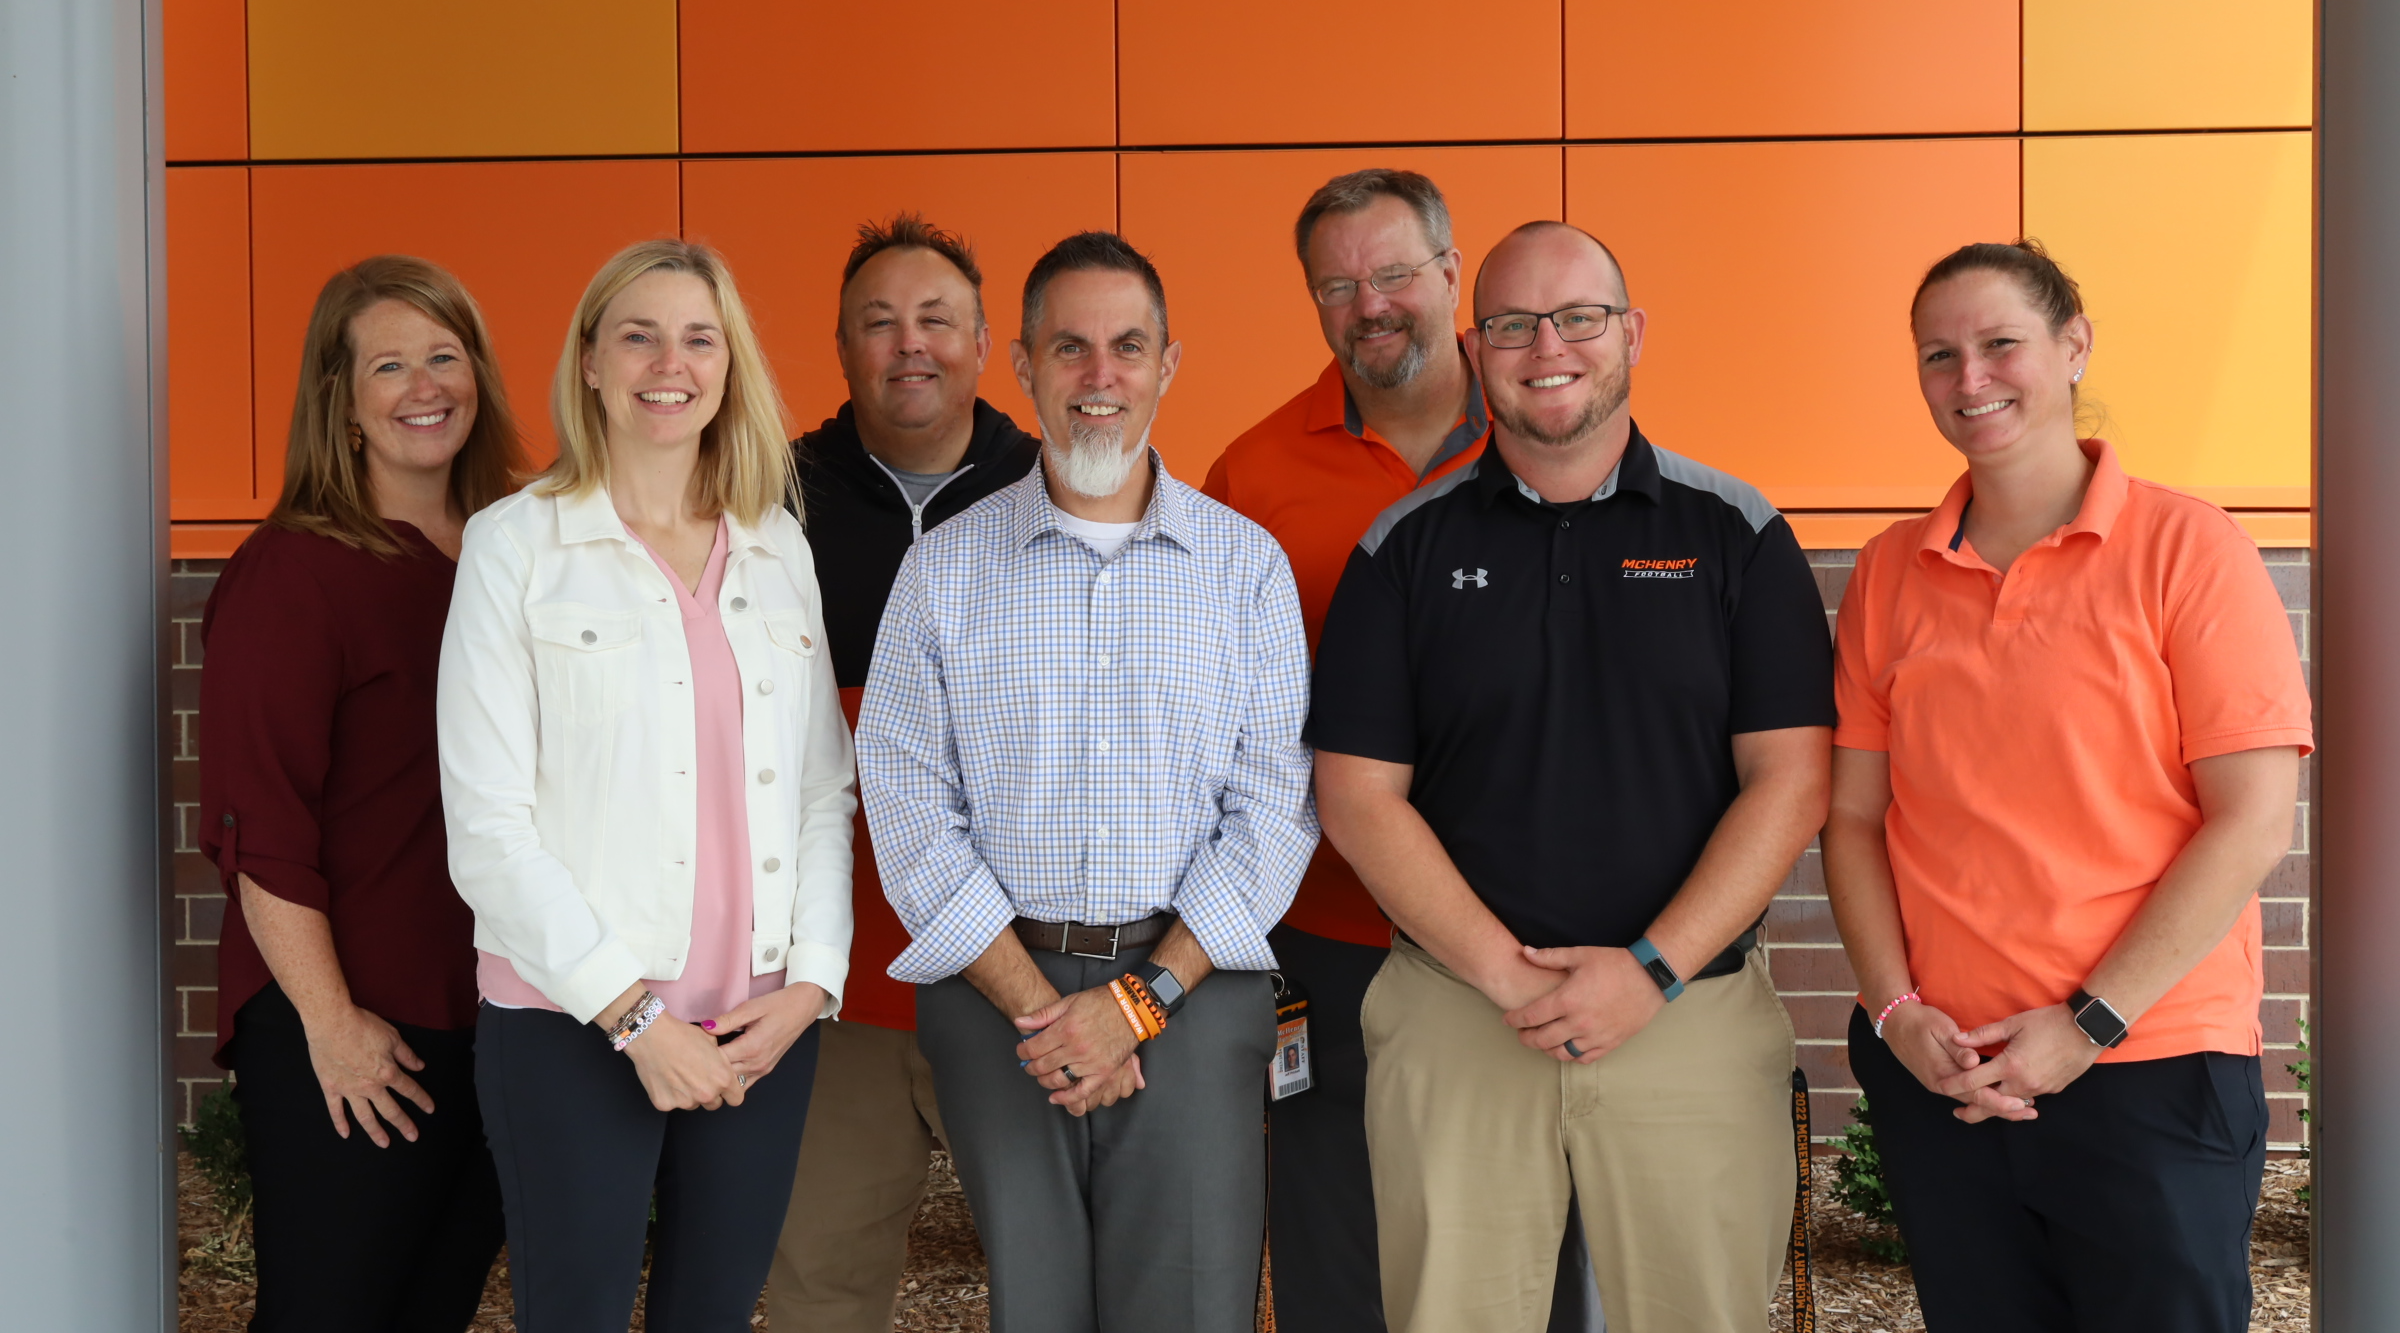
(324, 477)
(745, 466)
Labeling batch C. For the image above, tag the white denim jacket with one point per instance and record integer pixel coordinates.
(567, 735)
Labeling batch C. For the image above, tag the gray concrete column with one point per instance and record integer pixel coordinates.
(2357, 803)
(86, 1160)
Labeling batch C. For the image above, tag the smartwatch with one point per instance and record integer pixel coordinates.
(1162, 983)
(2099, 1020)
(1660, 970)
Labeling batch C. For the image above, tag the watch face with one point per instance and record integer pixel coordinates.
(2101, 1022)
(1660, 972)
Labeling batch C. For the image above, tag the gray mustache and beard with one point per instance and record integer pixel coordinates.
(1093, 462)
(1608, 395)
(1412, 360)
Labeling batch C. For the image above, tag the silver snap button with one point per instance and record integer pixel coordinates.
(766, 687)
(773, 953)
(589, 637)
(774, 864)
(741, 603)
(766, 775)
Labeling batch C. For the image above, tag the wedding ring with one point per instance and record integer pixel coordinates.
(1571, 1050)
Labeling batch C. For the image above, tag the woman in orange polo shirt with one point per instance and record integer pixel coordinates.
(2071, 725)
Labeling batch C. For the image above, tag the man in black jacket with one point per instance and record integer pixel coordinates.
(912, 447)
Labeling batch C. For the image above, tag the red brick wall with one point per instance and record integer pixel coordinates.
(1806, 956)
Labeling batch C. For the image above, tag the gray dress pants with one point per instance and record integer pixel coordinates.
(1147, 1215)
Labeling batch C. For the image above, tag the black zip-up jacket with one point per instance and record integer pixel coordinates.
(860, 524)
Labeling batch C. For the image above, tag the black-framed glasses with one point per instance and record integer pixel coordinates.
(1575, 324)
(1388, 279)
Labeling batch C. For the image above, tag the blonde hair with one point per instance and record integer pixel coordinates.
(324, 471)
(745, 466)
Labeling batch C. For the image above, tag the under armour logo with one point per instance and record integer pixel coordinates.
(1460, 578)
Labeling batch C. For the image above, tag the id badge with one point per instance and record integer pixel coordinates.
(1289, 1073)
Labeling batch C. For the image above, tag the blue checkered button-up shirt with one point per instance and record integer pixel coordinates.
(1051, 735)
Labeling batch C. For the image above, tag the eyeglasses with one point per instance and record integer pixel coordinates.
(1575, 324)
(1388, 279)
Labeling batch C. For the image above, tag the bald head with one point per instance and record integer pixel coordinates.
(1547, 265)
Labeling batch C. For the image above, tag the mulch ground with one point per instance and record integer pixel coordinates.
(946, 1292)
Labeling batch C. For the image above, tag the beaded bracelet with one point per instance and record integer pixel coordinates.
(636, 1021)
(1142, 1011)
(1911, 998)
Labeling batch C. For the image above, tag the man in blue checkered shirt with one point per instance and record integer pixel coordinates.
(1081, 762)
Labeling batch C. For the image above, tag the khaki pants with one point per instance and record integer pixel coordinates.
(872, 1126)
(1678, 1145)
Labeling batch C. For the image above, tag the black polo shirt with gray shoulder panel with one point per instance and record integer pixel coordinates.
(1567, 679)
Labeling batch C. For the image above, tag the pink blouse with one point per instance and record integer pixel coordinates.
(717, 976)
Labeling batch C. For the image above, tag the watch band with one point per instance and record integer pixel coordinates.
(2099, 1019)
(1660, 970)
(1163, 984)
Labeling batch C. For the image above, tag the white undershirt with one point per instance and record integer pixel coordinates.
(1103, 538)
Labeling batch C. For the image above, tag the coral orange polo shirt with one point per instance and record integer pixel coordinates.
(2041, 726)
(1316, 476)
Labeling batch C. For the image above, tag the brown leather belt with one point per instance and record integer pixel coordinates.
(1725, 964)
(1088, 941)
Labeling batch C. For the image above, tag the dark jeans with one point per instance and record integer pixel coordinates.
(582, 1153)
(1149, 1214)
(2124, 1208)
(1320, 1194)
(349, 1235)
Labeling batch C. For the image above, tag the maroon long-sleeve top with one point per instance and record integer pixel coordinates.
(318, 775)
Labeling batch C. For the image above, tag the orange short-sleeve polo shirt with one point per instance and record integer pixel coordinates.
(1315, 476)
(2041, 728)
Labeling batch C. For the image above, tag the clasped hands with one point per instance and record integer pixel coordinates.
(1595, 998)
(1081, 1048)
(2045, 1052)
(684, 1067)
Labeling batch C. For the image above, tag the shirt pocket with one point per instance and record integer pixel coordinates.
(790, 631)
(584, 659)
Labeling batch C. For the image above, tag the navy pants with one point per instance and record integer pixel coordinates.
(2124, 1208)
(582, 1155)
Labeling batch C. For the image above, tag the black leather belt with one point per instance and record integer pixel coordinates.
(1735, 956)
(1087, 941)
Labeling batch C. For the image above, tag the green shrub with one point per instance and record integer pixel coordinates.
(1858, 1185)
(216, 1145)
(2304, 1195)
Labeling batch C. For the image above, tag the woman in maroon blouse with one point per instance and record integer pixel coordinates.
(346, 996)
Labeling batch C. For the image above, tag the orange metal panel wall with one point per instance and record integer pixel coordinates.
(1750, 159)
(1777, 277)
(1640, 69)
(775, 76)
(462, 78)
(786, 225)
(207, 78)
(1331, 71)
(208, 344)
(1219, 226)
(523, 236)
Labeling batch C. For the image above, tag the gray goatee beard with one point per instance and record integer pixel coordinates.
(1412, 361)
(1612, 394)
(1094, 462)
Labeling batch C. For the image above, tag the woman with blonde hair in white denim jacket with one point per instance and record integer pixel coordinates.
(648, 787)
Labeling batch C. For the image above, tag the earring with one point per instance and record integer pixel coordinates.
(2078, 377)
(358, 437)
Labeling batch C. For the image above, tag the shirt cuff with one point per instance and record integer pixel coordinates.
(1228, 931)
(2197, 748)
(829, 968)
(974, 915)
(297, 884)
(1857, 736)
(594, 983)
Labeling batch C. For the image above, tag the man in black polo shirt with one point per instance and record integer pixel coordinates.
(1572, 718)
(911, 448)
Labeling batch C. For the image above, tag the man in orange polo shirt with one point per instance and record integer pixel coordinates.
(1398, 407)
